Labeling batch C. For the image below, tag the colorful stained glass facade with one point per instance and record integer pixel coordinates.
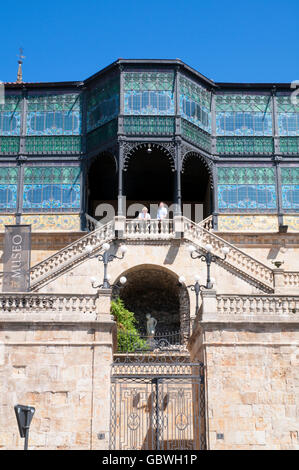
(244, 115)
(248, 134)
(10, 116)
(246, 189)
(288, 115)
(102, 104)
(149, 93)
(290, 188)
(49, 114)
(51, 188)
(8, 188)
(195, 104)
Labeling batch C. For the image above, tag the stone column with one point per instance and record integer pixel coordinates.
(209, 304)
(278, 274)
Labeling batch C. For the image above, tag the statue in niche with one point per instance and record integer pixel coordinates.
(151, 324)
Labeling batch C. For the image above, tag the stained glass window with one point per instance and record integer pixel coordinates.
(8, 188)
(51, 188)
(149, 93)
(195, 104)
(288, 115)
(193, 134)
(290, 188)
(10, 116)
(102, 104)
(247, 115)
(241, 188)
(54, 114)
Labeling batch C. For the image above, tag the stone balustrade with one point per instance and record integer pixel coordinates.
(15, 303)
(179, 227)
(91, 223)
(291, 279)
(70, 254)
(255, 305)
(237, 258)
(207, 223)
(149, 229)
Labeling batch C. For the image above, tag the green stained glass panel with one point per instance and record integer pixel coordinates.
(12, 103)
(54, 144)
(139, 81)
(286, 105)
(290, 175)
(102, 135)
(195, 135)
(9, 145)
(289, 145)
(243, 175)
(49, 102)
(102, 104)
(49, 175)
(244, 102)
(8, 175)
(195, 92)
(245, 145)
(144, 125)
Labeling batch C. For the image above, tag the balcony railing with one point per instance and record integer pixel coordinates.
(151, 229)
(15, 303)
(141, 343)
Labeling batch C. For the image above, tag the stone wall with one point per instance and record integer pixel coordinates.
(60, 364)
(252, 386)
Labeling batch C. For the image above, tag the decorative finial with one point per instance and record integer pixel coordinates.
(20, 62)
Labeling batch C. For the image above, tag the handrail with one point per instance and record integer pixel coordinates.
(197, 234)
(164, 230)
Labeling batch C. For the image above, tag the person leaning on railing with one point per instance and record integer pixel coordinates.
(144, 217)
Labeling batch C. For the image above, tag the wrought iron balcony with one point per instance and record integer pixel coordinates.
(142, 343)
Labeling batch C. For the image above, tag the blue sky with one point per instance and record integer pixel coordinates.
(237, 41)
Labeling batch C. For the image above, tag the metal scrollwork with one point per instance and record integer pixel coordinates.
(128, 148)
(208, 163)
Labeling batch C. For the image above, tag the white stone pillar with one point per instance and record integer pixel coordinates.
(209, 305)
(279, 286)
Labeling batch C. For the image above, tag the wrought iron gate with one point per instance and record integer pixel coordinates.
(157, 406)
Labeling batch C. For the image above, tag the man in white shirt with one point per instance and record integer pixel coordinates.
(162, 211)
(161, 215)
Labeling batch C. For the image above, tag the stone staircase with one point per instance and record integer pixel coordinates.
(236, 261)
(70, 255)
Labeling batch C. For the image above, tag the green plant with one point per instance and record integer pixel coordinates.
(128, 337)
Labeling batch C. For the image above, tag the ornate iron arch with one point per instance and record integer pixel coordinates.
(206, 163)
(168, 148)
(112, 152)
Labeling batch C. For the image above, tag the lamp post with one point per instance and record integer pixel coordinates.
(208, 258)
(24, 415)
(196, 287)
(106, 258)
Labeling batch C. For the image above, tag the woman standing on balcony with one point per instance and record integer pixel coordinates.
(144, 226)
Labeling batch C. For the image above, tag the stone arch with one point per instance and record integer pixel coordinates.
(154, 289)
